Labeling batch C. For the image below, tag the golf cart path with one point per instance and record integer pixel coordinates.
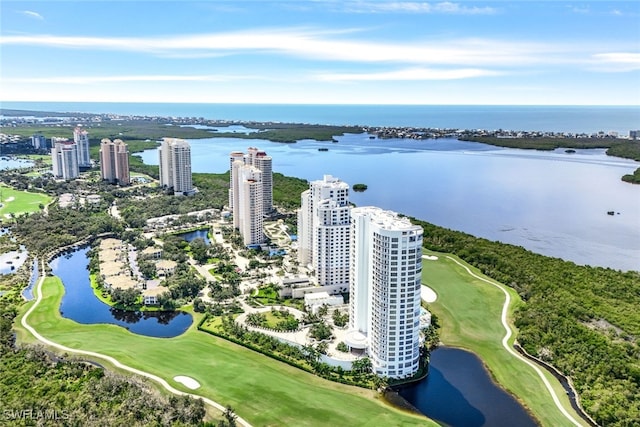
(161, 381)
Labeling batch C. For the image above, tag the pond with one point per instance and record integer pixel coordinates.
(81, 305)
(459, 392)
(192, 235)
(11, 261)
(27, 293)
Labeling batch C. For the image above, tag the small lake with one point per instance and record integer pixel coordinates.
(81, 305)
(192, 235)
(14, 163)
(460, 392)
(11, 261)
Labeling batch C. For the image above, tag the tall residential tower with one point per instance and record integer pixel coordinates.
(64, 157)
(81, 138)
(250, 193)
(248, 216)
(175, 165)
(324, 232)
(260, 160)
(114, 161)
(385, 285)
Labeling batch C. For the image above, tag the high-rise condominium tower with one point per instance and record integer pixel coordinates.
(324, 231)
(248, 215)
(64, 157)
(175, 165)
(261, 161)
(81, 138)
(114, 161)
(385, 284)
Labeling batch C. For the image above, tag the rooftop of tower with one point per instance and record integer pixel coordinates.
(386, 219)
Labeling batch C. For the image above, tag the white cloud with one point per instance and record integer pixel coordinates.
(32, 14)
(410, 74)
(617, 61)
(315, 45)
(416, 7)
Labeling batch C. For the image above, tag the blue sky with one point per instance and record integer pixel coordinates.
(322, 51)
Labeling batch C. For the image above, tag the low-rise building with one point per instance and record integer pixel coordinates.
(152, 252)
(313, 301)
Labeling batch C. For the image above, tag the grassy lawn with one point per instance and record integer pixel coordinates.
(45, 158)
(261, 390)
(18, 202)
(469, 313)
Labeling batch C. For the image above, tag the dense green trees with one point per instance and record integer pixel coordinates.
(61, 391)
(199, 250)
(125, 298)
(340, 319)
(60, 227)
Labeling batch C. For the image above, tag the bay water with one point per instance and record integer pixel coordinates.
(553, 203)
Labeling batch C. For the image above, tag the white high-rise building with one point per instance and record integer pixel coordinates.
(175, 165)
(38, 142)
(81, 138)
(261, 161)
(233, 184)
(248, 216)
(64, 157)
(114, 161)
(324, 232)
(385, 284)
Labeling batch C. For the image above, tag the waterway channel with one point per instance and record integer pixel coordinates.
(81, 305)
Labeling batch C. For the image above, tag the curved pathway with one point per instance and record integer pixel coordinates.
(505, 343)
(161, 381)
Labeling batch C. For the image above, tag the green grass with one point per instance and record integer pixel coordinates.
(469, 311)
(18, 202)
(261, 390)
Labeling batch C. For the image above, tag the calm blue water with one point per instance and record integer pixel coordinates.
(543, 118)
(459, 392)
(27, 292)
(80, 304)
(552, 203)
(191, 235)
(15, 163)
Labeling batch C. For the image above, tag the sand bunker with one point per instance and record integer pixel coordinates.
(430, 257)
(428, 294)
(187, 382)
(9, 199)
